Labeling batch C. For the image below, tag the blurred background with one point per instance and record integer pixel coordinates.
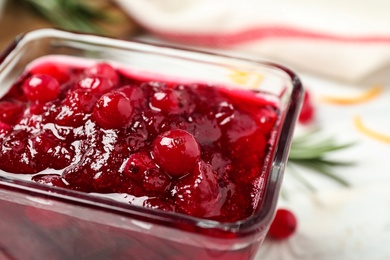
(340, 50)
(93, 16)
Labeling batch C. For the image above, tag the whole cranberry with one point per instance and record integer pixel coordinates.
(156, 180)
(137, 164)
(95, 84)
(307, 112)
(11, 112)
(283, 225)
(169, 101)
(58, 71)
(80, 100)
(176, 152)
(134, 94)
(113, 110)
(5, 128)
(41, 88)
(75, 107)
(104, 70)
(50, 152)
(198, 193)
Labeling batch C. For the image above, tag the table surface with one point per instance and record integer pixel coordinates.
(335, 222)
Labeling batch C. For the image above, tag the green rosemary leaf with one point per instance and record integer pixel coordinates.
(323, 169)
(68, 14)
(311, 150)
(315, 150)
(314, 146)
(301, 178)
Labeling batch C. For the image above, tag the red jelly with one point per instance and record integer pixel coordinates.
(188, 148)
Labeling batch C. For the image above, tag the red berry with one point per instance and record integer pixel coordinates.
(51, 152)
(95, 84)
(11, 112)
(137, 165)
(5, 128)
(80, 100)
(169, 101)
(205, 129)
(41, 88)
(75, 107)
(198, 193)
(283, 225)
(134, 94)
(307, 112)
(113, 110)
(176, 152)
(103, 70)
(57, 71)
(156, 181)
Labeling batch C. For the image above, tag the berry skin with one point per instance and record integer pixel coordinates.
(96, 84)
(198, 193)
(283, 225)
(307, 112)
(75, 107)
(134, 94)
(169, 101)
(5, 128)
(176, 152)
(137, 165)
(113, 110)
(11, 112)
(50, 152)
(104, 70)
(57, 71)
(41, 88)
(156, 181)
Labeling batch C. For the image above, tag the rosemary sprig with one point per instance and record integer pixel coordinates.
(74, 15)
(310, 151)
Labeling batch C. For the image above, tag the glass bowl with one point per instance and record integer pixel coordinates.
(46, 222)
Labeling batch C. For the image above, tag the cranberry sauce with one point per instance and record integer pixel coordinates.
(184, 147)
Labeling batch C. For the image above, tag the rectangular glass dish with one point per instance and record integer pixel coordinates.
(47, 222)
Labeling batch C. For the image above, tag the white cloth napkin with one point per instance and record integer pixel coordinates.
(343, 39)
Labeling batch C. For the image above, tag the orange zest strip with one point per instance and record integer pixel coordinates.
(368, 132)
(252, 80)
(366, 96)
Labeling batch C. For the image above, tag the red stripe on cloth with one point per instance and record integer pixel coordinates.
(264, 33)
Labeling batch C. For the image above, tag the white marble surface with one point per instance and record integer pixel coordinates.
(338, 223)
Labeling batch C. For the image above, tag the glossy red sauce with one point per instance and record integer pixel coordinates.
(183, 147)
